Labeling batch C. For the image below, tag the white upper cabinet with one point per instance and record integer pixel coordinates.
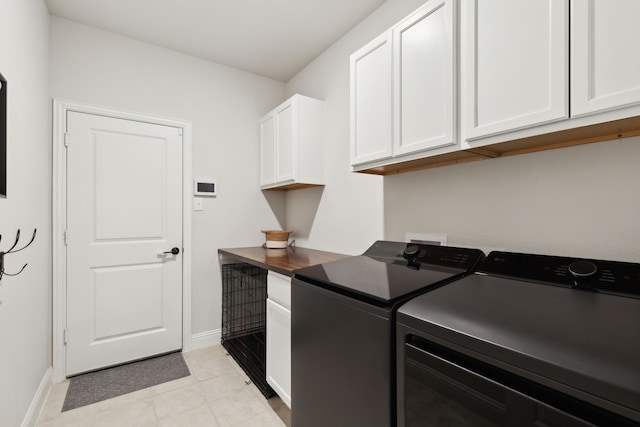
(514, 64)
(424, 66)
(403, 88)
(285, 132)
(268, 149)
(463, 80)
(371, 101)
(605, 59)
(292, 145)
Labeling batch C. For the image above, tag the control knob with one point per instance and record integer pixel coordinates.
(581, 272)
(411, 253)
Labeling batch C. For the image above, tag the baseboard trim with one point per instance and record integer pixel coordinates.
(205, 339)
(31, 418)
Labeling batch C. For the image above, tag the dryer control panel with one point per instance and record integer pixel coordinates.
(613, 277)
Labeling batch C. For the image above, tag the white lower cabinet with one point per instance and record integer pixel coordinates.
(279, 335)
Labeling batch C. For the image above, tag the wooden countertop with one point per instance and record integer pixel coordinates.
(283, 261)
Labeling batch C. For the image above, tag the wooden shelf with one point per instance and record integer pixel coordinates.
(447, 159)
(283, 261)
(607, 131)
(292, 187)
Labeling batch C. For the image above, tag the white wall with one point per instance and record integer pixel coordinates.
(347, 214)
(25, 308)
(224, 105)
(579, 201)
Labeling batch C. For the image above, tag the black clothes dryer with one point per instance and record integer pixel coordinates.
(527, 340)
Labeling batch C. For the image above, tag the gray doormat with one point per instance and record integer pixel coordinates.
(100, 385)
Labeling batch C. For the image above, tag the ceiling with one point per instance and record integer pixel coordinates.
(272, 38)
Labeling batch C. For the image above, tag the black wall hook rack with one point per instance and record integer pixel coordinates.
(13, 250)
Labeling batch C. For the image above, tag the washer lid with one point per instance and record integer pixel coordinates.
(388, 271)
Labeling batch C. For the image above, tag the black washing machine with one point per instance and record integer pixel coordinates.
(343, 329)
(527, 340)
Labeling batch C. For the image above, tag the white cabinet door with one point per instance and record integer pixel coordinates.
(267, 149)
(286, 141)
(371, 101)
(424, 70)
(279, 350)
(279, 288)
(605, 59)
(514, 64)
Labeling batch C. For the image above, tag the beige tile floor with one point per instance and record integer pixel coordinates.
(216, 394)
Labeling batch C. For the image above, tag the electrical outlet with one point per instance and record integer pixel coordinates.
(427, 238)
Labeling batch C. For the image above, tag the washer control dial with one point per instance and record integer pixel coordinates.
(582, 269)
(411, 251)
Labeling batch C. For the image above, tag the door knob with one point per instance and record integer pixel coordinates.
(173, 251)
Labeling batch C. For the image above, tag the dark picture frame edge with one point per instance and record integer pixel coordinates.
(3, 136)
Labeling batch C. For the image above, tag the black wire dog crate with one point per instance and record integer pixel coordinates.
(244, 308)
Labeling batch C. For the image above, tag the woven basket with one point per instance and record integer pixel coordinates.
(277, 238)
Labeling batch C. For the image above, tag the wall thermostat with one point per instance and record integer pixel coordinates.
(205, 187)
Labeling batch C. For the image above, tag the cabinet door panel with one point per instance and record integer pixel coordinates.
(279, 350)
(285, 148)
(267, 150)
(514, 64)
(605, 61)
(424, 85)
(279, 289)
(371, 101)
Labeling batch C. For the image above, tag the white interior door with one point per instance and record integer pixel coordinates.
(124, 210)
